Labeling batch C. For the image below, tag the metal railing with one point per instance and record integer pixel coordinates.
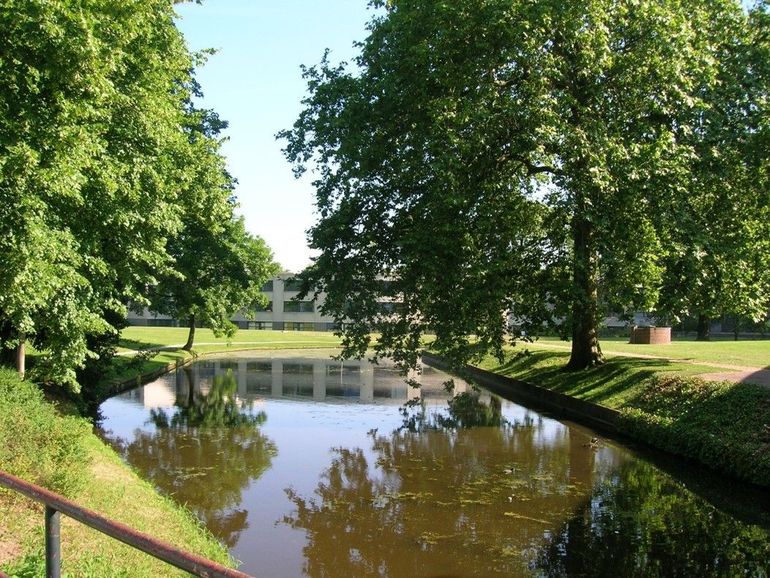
(55, 505)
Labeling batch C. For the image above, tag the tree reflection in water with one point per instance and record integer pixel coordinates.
(439, 497)
(204, 454)
(464, 410)
(640, 522)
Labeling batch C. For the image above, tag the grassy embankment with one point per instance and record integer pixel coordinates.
(663, 401)
(61, 452)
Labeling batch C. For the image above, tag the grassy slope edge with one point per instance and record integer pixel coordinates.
(63, 454)
(723, 425)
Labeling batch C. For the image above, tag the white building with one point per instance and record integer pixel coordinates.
(283, 313)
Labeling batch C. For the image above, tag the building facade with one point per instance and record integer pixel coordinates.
(283, 312)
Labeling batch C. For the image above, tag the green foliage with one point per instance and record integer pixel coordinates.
(219, 270)
(92, 96)
(103, 159)
(218, 267)
(723, 425)
(490, 156)
(719, 252)
(36, 443)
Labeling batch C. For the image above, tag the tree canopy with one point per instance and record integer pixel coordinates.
(218, 266)
(99, 166)
(503, 159)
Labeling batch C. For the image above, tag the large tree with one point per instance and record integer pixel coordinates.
(721, 261)
(91, 100)
(218, 267)
(502, 156)
(107, 174)
(219, 271)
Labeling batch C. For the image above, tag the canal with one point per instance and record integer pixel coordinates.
(312, 467)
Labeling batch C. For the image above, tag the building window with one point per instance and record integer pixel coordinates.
(292, 285)
(298, 307)
(267, 307)
(267, 287)
(298, 326)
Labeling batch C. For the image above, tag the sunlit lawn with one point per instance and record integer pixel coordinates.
(613, 384)
(750, 353)
(136, 338)
(145, 340)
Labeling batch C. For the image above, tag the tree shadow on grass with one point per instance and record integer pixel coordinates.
(615, 377)
(138, 344)
(527, 361)
(597, 385)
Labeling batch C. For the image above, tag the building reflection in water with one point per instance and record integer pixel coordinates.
(291, 378)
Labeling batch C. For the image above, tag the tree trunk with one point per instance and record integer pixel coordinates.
(190, 336)
(21, 356)
(704, 328)
(585, 340)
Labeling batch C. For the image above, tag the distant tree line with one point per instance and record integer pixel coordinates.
(554, 159)
(113, 189)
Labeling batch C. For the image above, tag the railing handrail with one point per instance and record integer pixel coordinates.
(193, 563)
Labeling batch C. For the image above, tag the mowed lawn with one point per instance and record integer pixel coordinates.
(747, 353)
(621, 380)
(143, 338)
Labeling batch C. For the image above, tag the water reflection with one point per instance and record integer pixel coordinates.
(309, 467)
(641, 523)
(465, 409)
(203, 452)
(470, 502)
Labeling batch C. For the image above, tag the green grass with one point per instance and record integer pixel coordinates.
(36, 443)
(115, 491)
(136, 338)
(612, 384)
(63, 454)
(749, 353)
(721, 424)
(139, 352)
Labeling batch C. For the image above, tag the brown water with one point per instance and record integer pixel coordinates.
(309, 467)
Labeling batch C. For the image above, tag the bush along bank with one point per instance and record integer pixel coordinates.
(63, 454)
(723, 425)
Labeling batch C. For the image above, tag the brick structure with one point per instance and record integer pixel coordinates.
(650, 335)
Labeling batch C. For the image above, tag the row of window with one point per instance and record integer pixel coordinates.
(291, 307)
(288, 285)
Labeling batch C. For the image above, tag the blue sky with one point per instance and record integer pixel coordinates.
(255, 83)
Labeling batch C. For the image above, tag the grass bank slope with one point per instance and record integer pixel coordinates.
(723, 425)
(61, 453)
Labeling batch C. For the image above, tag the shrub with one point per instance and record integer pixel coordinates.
(723, 425)
(36, 443)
